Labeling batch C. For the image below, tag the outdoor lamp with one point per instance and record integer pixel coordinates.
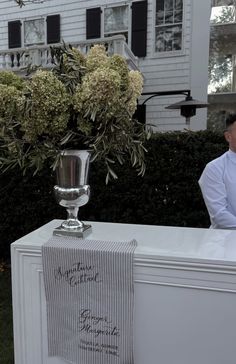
(188, 107)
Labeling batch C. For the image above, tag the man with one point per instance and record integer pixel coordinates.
(218, 183)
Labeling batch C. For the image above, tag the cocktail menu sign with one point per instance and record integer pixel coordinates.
(89, 297)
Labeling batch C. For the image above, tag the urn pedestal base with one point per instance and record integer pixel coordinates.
(78, 233)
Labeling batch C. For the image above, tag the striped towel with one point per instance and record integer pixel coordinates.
(89, 297)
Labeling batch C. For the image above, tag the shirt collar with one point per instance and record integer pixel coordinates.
(232, 155)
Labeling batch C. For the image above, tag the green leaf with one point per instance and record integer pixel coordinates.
(112, 173)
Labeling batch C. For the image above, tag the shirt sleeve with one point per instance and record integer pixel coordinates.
(215, 197)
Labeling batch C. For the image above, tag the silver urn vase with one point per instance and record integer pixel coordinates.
(72, 190)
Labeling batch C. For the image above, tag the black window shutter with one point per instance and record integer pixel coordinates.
(14, 34)
(140, 114)
(53, 29)
(139, 28)
(93, 23)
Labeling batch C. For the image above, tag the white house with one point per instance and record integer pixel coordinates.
(167, 40)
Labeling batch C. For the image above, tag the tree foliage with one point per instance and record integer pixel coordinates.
(20, 3)
(220, 61)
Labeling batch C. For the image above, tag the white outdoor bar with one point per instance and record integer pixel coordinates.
(185, 294)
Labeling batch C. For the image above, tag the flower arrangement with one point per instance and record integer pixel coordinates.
(84, 102)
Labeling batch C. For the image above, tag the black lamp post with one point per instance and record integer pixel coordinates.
(187, 107)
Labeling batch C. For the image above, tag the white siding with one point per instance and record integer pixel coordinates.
(160, 73)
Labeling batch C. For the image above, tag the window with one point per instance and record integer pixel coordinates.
(129, 20)
(116, 21)
(34, 32)
(168, 25)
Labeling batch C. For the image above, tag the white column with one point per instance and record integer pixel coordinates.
(201, 10)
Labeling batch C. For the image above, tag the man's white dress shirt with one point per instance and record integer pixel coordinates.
(218, 186)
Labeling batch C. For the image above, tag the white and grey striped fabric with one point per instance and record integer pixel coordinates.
(90, 298)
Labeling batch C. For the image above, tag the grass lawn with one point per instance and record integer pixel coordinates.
(6, 331)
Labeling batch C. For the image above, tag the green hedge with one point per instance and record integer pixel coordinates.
(168, 194)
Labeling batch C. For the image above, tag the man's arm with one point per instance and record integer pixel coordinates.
(215, 197)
